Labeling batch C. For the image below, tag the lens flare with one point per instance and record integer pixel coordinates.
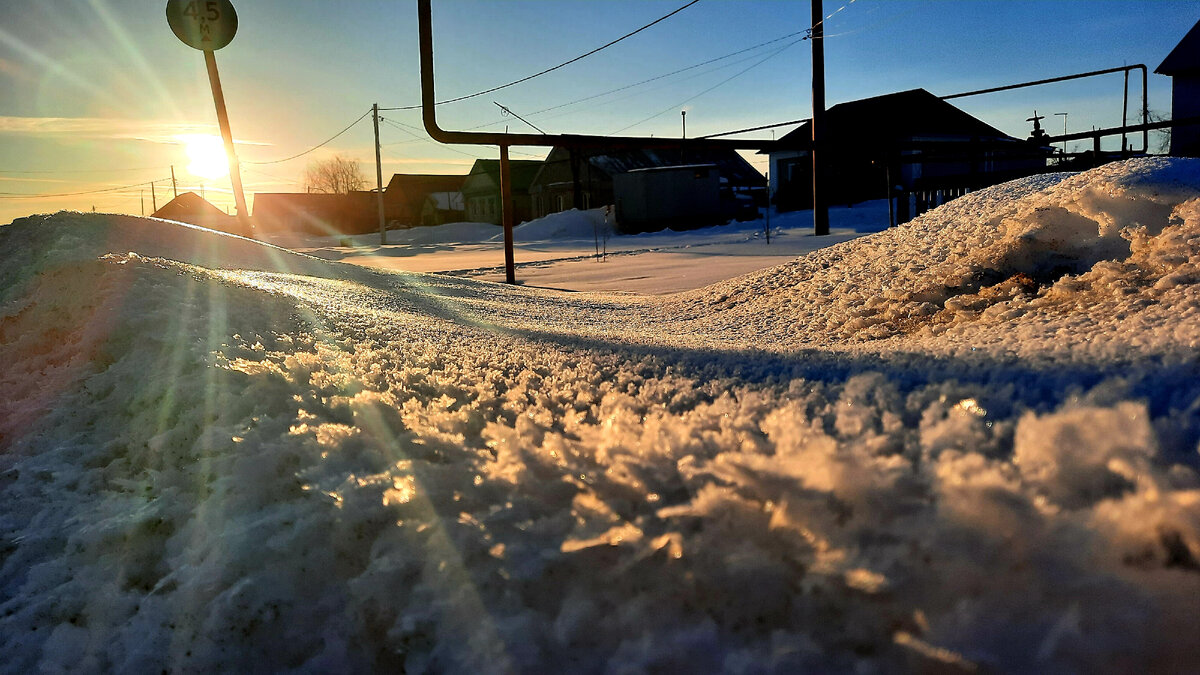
(207, 155)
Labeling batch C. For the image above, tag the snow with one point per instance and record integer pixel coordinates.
(578, 251)
(970, 443)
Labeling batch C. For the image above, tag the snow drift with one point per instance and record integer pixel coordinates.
(968, 443)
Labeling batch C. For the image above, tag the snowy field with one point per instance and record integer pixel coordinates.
(967, 444)
(579, 251)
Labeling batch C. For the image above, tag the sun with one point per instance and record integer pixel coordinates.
(207, 155)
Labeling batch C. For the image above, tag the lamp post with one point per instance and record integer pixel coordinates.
(1064, 116)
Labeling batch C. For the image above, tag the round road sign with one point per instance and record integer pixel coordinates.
(206, 25)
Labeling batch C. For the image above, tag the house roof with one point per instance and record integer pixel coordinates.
(1185, 57)
(188, 205)
(410, 189)
(522, 171)
(732, 166)
(900, 116)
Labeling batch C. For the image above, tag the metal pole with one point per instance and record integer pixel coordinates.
(820, 208)
(510, 272)
(1124, 114)
(174, 189)
(235, 173)
(1064, 116)
(379, 179)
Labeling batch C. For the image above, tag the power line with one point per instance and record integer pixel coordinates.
(553, 68)
(285, 159)
(741, 72)
(18, 195)
(43, 171)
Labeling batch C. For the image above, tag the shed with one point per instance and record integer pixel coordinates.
(679, 197)
(1182, 65)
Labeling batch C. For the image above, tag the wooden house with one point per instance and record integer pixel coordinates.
(316, 213)
(440, 208)
(405, 196)
(481, 190)
(911, 141)
(193, 209)
(1182, 65)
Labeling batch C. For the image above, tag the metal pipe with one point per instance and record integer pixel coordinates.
(235, 173)
(429, 117)
(506, 218)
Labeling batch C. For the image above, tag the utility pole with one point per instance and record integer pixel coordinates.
(379, 179)
(174, 188)
(153, 197)
(142, 196)
(820, 208)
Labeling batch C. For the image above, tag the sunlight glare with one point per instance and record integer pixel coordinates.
(207, 155)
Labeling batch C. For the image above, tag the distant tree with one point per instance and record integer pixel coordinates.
(336, 175)
(1163, 143)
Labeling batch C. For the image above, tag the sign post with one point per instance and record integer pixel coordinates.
(209, 25)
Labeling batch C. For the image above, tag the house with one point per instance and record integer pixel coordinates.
(440, 208)
(912, 140)
(481, 190)
(406, 193)
(583, 179)
(316, 213)
(1182, 65)
(193, 209)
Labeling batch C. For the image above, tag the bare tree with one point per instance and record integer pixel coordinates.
(336, 175)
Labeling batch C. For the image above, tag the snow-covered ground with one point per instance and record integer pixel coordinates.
(578, 251)
(966, 444)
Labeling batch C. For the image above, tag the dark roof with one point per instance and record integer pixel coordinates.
(522, 171)
(1185, 57)
(896, 117)
(188, 205)
(406, 192)
(732, 166)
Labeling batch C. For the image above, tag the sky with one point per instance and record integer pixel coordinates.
(100, 94)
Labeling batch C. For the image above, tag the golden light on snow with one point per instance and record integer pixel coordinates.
(206, 154)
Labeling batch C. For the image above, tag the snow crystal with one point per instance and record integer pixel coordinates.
(967, 443)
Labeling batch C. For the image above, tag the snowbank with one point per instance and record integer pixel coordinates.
(965, 444)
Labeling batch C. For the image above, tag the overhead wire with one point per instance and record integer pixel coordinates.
(19, 195)
(741, 72)
(315, 147)
(553, 68)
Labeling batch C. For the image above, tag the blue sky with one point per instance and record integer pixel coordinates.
(97, 90)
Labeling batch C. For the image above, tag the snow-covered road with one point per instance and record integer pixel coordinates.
(969, 443)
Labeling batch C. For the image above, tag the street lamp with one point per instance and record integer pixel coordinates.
(1064, 116)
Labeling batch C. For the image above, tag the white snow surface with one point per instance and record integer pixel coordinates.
(966, 444)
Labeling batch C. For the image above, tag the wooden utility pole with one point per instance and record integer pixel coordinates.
(174, 188)
(153, 197)
(379, 179)
(820, 207)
